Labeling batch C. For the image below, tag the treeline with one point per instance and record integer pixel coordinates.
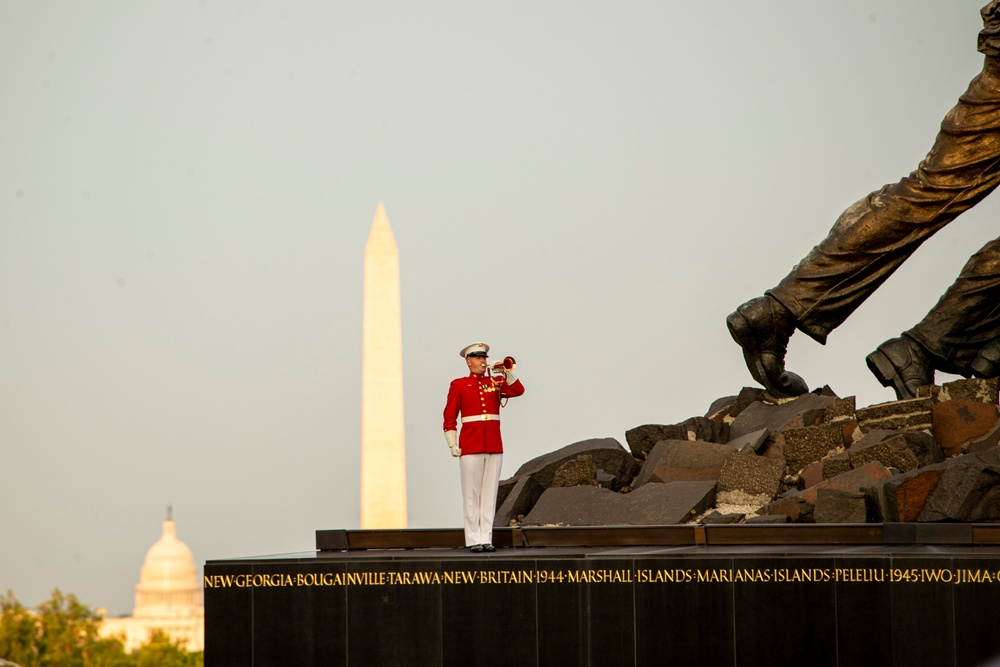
(62, 632)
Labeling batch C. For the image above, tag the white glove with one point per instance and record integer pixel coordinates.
(510, 377)
(452, 439)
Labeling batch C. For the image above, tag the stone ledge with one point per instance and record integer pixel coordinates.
(688, 534)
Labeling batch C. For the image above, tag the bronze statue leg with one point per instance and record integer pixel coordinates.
(961, 334)
(967, 317)
(872, 238)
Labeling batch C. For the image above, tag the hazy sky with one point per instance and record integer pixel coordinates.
(186, 189)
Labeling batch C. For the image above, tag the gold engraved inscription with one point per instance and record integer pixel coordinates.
(619, 576)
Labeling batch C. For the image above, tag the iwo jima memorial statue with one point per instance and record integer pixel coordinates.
(783, 522)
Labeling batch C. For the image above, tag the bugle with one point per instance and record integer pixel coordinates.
(498, 367)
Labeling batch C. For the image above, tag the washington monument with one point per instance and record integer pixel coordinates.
(383, 451)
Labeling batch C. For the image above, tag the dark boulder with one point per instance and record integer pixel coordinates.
(519, 501)
(890, 448)
(837, 464)
(809, 444)
(748, 479)
(576, 472)
(909, 415)
(607, 453)
(960, 421)
(903, 497)
(642, 439)
(795, 508)
(839, 506)
(683, 461)
(967, 491)
(842, 409)
(853, 481)
(651, 505)
(715, 517)
(769, 518)
(746, 397)
(988, 440)
(806, 410)
(721, 408)
(971, 389)
(750, 441)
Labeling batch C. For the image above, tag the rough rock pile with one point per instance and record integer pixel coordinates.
(753, 458)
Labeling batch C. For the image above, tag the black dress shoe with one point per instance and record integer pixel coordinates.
(902, 364)
(478, 549)
(489, 547)
(762, 327)
(987, 363)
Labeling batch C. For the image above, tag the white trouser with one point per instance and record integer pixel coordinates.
(480, 477)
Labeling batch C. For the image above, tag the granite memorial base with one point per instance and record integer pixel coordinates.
(739, 595)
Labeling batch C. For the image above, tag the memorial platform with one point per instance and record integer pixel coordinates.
(716, 595)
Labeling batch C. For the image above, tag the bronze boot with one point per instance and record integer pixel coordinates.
(762, 327)
(987, 362)
(902, 364)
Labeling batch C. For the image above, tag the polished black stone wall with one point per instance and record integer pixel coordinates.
(914, 606)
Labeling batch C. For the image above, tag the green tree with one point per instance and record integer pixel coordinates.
(63, 632)
(68, 635)
(162, 651)
(18, 631)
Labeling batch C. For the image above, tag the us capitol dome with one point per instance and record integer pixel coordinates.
(168, 597)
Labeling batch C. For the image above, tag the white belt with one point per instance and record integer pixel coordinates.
(481, 418)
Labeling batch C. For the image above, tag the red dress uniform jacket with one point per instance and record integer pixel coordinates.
(477, 396)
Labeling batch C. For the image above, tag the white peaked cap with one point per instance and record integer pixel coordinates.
(477, 349)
